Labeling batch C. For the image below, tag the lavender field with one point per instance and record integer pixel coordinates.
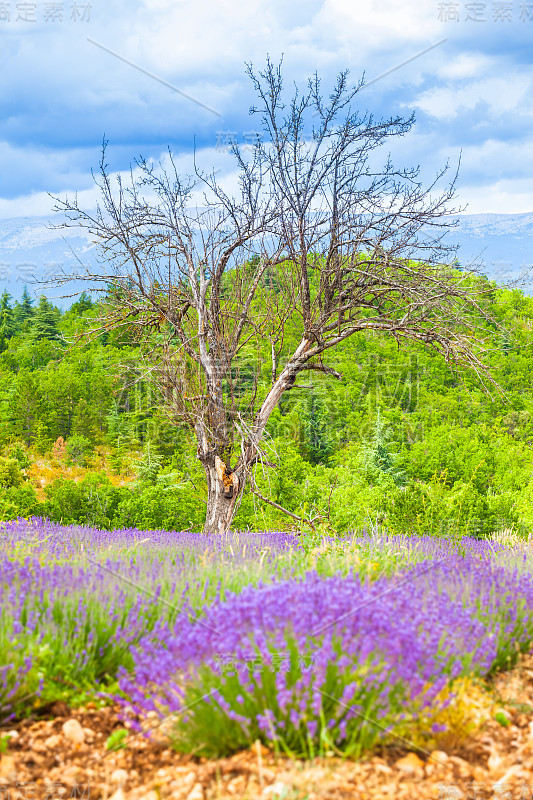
(311, 646)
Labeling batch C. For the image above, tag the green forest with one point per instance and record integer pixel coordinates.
(401, 442)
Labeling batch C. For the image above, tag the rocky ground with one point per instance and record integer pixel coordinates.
(65, 756)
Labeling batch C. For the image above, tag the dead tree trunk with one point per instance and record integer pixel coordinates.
(225, 486)
(224, 490)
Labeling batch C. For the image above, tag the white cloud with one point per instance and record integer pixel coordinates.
(501, 96)
(209, 40)
(493, 158)
(372, 25)
(37, 204)
(506, 196)
(62, 93)
(501, 197)
(465, 65)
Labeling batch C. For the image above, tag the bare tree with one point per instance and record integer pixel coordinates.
(320, 241)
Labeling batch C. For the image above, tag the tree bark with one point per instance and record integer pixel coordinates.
(224, 485)
(224, 490)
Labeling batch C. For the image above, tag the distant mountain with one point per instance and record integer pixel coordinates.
(500, 244)
(30, 247)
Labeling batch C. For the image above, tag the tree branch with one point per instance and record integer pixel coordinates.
(258, 494)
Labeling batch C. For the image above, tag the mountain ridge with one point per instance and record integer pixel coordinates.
(500, 245)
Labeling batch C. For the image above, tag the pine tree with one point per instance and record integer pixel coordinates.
(83, 303)
(24, 311)
(84, 421)
(379, 458)
(318, 445)
(149, 465)
(45, 323)
(506, 342)
(26, 406)
(7, 319)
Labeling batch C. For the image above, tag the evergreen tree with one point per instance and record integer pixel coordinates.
(26, 407)
(84, 420)
(24, 310)
(317, 445)
(7, 317)
(149, 465)
(84, 303)
(7, 320)
(45, 321)
(506, 343)
(379, 458)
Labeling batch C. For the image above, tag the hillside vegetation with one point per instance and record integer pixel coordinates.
(401, 441)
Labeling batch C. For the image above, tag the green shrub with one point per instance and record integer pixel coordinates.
(17, 451)
(10, 473)
(92, 501)
(78, 450)
(413, 510)
(174, 508)
(434, 508)
(19, 501)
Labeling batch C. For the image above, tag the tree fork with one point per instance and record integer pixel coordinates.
(223, 491)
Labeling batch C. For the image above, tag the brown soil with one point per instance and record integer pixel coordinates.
(45, 760)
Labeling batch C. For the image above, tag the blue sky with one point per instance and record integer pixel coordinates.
(465, 68)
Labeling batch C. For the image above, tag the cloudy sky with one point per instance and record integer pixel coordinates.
(148, 74)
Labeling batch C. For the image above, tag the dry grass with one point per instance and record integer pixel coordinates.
(44, 470)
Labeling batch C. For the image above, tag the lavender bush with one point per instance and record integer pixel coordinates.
(80, 606)
(74, 599)
(329, 664)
